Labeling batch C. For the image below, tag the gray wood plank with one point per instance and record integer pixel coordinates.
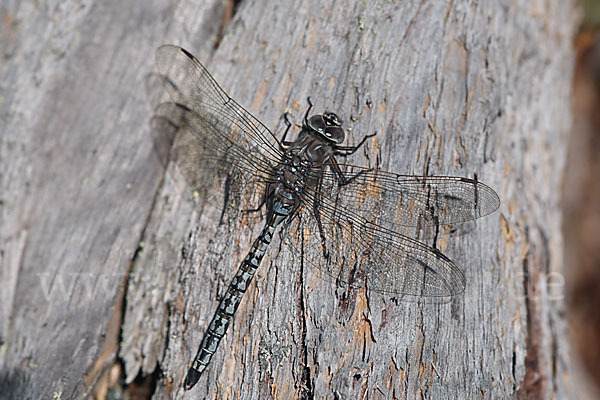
(458, 89)
(78, 179)
(455, 88)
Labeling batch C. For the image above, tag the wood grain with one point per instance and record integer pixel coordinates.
(451, 88)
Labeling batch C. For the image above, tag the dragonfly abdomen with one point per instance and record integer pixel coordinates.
(229, 304)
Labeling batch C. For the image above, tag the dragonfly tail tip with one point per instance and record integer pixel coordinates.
(191, 379)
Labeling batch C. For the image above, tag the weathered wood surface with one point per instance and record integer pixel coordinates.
(77, 179)
(455, 88)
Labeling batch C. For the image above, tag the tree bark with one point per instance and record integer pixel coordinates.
(451, 88)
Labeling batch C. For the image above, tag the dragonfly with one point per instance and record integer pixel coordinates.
(324, 204)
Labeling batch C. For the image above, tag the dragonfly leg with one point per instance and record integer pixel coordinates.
(310, 106)
(289, 124)
(348, 150)
(347, 181)
(257, 209)
(342, 179)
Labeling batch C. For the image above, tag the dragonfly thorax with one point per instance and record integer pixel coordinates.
(292, 172)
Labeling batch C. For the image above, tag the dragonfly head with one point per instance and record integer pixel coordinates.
(328, 126)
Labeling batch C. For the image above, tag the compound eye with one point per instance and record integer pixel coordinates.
(317, 123)
(335, 134)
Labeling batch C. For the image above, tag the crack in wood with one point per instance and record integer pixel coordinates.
(306, 388)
